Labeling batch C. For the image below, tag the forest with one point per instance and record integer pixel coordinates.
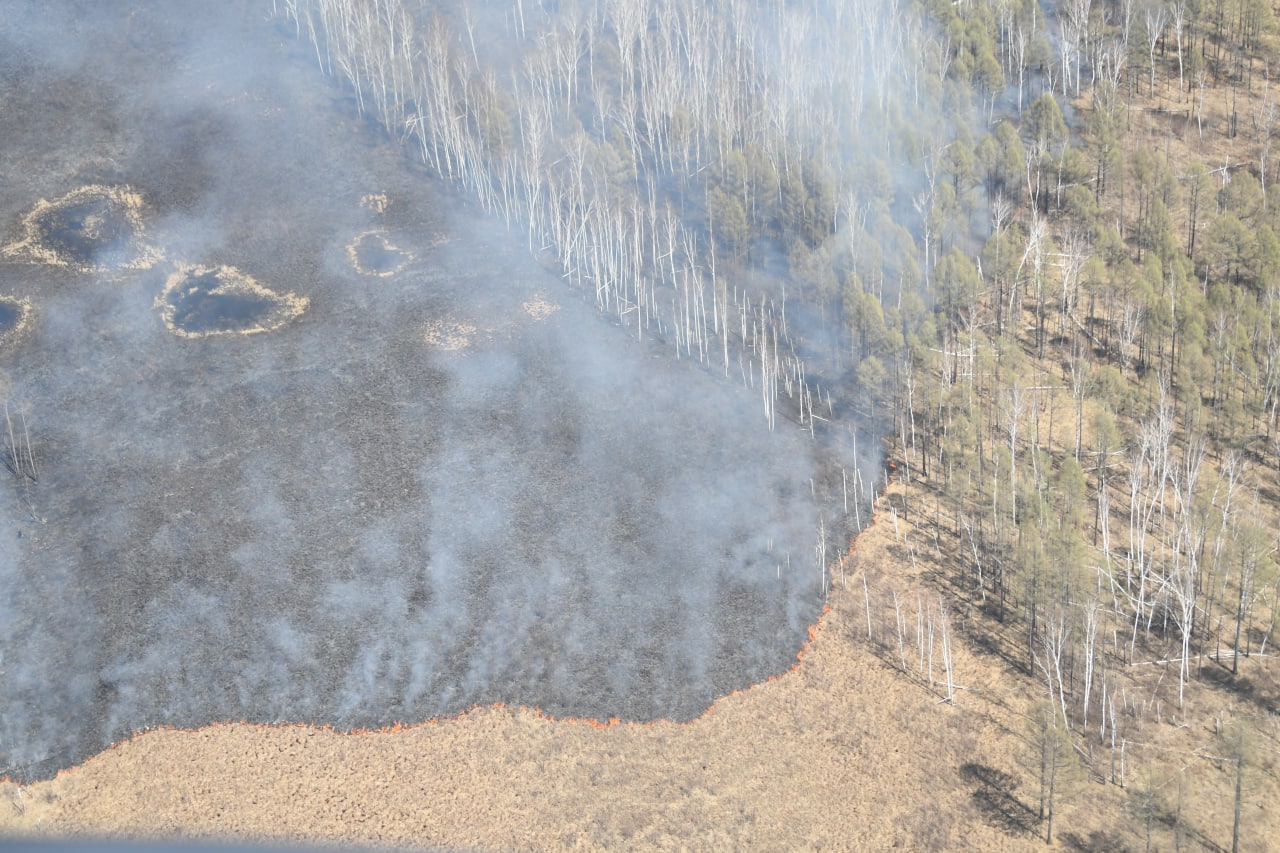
(1035, 244)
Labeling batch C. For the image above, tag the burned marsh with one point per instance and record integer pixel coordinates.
(304, 458)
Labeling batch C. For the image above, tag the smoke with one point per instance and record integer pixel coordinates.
(454, 484)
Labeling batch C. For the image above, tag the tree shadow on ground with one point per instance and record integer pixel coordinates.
(1261, 693)
(1094, 841)
(989, 643)
(995, 799)
(1116, 840)
(1190, 835)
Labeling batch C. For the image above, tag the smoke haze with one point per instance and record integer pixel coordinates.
(453, 484)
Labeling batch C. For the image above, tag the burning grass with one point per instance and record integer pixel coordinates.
(201, 301)
(373, 254)
(91, 229)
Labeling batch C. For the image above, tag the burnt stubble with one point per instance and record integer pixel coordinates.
(446, 483)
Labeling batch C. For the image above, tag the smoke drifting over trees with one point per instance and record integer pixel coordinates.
(692, 167)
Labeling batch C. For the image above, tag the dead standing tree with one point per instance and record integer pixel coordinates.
(19, 457)
(18, 452)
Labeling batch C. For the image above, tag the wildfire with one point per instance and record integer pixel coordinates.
(498, 707)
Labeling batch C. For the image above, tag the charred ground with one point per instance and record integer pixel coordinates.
(338, 519)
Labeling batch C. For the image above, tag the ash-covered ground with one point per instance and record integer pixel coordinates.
(389, 468)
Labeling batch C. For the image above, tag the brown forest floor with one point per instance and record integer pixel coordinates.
(844, 751)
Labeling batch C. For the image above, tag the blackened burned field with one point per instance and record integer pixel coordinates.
(201, 309)
(405, 494)
(84, 231)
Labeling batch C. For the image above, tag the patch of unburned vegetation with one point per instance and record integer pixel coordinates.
(451, 335)
(539, 307)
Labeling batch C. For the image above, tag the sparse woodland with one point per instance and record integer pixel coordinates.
(1043, 252)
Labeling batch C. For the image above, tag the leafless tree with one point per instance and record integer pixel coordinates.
(1155, 18)
(1178, 15)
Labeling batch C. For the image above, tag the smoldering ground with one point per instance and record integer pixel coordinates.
(450, 484)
